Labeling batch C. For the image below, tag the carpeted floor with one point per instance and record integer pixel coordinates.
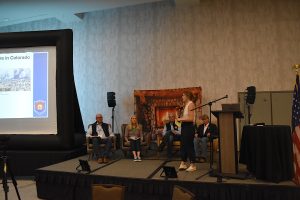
(26, 188)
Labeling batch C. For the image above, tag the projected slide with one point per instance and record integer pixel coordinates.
(24, 85)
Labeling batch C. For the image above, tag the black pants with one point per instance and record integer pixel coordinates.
(135, 145)
(187, 142)
(168, 139)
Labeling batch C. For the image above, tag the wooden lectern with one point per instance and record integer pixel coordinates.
(228, 156)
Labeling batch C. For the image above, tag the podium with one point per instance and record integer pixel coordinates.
(228, 156)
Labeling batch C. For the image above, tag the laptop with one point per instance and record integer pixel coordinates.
(231, 107)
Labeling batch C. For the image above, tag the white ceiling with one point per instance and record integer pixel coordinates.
(16, 12)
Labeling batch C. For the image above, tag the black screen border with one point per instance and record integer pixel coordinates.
(69, 120)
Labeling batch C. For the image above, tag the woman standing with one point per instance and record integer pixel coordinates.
(187, 133)
(133, 133)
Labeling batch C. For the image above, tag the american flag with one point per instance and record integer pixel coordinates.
(296, 130)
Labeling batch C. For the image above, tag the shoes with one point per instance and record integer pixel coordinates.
(191, 168)
(182, 166)
(137, 159)
(100, 160)
(105, 160)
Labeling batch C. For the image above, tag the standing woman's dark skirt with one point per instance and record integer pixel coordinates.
(187, 142)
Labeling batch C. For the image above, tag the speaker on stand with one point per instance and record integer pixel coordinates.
(250, 99)
(111, 101)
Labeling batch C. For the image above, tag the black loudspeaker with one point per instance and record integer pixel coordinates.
(169, 172)
(84, 165)
(251, 92)
(111, 99)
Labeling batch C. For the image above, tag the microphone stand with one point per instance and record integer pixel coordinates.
(210, 139)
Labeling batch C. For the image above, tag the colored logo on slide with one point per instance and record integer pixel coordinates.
(39, 107)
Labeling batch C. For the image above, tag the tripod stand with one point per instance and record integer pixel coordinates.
(5, 171)
(210, 171)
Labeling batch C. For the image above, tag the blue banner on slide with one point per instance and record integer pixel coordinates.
(40, 84)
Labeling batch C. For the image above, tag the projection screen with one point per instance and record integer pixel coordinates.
(27, 90)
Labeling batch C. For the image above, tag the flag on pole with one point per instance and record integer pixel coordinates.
(296, 130)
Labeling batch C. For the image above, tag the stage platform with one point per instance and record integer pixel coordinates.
(143, 181)
(31, 160)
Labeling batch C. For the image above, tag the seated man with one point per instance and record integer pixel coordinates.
(203, 134)
(170, 133)
(101, 134)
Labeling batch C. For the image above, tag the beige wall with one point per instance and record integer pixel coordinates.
(221, 45)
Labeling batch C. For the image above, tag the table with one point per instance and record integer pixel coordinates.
(268, 152)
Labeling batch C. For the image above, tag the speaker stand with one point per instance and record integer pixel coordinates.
(112, 119)
(249, 113)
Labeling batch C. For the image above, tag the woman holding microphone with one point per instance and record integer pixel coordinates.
(187, 133)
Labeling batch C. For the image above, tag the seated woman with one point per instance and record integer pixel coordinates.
(133, 133)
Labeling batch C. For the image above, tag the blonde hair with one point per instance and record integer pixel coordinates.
(131, 125)
(204, 116)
